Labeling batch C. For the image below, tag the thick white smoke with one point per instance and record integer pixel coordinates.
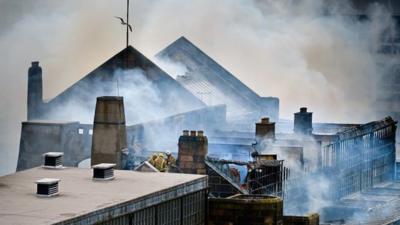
(295, 50)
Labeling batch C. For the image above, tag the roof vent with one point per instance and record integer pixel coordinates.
(47, 187)
(103, 171)
(53, 160)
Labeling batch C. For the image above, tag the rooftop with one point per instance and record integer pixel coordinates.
(378, 206)
(81, 198)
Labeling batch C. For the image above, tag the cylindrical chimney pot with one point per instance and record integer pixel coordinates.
(192, 133)
(200, 133)
(185, 133)
(303, 109)
(265, 120)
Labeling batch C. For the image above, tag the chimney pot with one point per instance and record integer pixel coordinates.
(303, 109)
(35, 63)
(185, 133)
(200, 133)
(265, 120)
(192, 133)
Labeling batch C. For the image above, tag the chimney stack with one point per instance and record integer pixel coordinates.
(35, 91)
(192, 152)
(109, 131)
(303, 122)
(265, 130)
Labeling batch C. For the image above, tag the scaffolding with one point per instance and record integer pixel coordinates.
(266, 177)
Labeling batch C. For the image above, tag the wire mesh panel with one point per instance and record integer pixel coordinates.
(144, 217)
(186, 210)
(169, 213)
(266, 179)
(121, 220)
(362, 157)
(193, 209)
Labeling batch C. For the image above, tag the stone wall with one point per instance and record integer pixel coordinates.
(312, 219)
(245, 210)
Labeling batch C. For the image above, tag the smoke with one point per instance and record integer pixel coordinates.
(143, 99)
(172, 68)
(306, 183)
(294, 50)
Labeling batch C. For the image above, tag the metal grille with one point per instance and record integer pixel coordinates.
(186, 210)
(122, 220)
(53, 161)
(144, 217)
(103, 173)
(47, 189)
(169, 213)
(266, 179)
(362, 157)
(193, 208)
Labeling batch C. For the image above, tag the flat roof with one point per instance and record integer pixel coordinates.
(380, 205)
(81, 198)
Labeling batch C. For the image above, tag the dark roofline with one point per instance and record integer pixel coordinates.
(127, 50)
(50, 101)
(366, 128)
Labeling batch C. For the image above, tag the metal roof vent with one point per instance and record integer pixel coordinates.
(47, 187)
(103, 171)
(53, 160)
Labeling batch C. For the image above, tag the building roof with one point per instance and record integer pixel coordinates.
(379, 205)
(207, 76)
(141, 82)
(81, 198)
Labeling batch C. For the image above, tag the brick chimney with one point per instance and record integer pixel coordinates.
(109, 131)
(265, 130)
(35, 91)
(193, 149)
(303, 122)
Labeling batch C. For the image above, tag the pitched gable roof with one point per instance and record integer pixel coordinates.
(211, 76)
(141, 82)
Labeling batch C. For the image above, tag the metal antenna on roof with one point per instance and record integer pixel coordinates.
(128, 26)
(128, 29)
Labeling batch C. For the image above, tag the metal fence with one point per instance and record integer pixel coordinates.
(361, 157)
